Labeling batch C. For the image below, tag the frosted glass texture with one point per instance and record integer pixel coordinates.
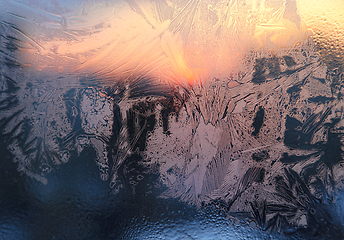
(172, 119)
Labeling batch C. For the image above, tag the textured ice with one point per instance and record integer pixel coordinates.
(233, 107)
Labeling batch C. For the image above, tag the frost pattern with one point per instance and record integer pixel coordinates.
(225, 105)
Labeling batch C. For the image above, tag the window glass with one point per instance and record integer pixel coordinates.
(171, 119)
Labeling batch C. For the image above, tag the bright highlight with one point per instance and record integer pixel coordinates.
(179, 42)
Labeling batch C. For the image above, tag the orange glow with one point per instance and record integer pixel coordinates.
(194, 42)
(326, 20)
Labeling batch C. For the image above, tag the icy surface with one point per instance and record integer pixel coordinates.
(171, 119)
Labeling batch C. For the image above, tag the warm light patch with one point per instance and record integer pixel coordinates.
(282, 33)
(326, 20)
(174, 42)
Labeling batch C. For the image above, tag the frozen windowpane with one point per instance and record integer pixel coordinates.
(147, 119)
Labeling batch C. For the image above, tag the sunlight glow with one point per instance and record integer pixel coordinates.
(173, 42)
